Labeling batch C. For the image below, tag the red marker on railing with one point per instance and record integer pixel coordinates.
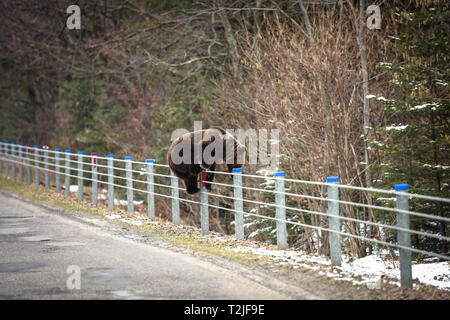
(94, 158)
(203, 179)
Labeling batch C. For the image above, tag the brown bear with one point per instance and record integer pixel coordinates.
(202, 150)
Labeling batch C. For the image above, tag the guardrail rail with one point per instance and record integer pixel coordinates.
(141, 177)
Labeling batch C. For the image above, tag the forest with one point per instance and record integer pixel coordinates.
(368, 104)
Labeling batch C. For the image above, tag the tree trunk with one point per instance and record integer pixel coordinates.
(365, 84)
(232, 45)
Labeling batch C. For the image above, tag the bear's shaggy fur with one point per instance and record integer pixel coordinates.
(189, 172)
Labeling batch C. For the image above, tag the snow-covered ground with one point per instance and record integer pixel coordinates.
(370, 270)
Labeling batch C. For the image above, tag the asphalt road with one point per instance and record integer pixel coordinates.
(47, 255)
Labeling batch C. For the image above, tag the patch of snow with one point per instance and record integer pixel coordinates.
(132, 222)
(253, 210)
(433, 104)
(438, 166)
(121, 202)
(73, 188)
(436, 274)
(372, 267)
(420, 106)
(267, 171)
(113, 216)
(387, 199)
(369, 270)
(387, 65)
(379, 144)
(125, 202)
(440, 82)
(395, 127)
(268, 182)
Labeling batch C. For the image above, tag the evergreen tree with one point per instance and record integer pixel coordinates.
(89, 108)
(418, 141)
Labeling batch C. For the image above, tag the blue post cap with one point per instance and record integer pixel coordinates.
(110, 156)
(20, 144)
(57, 149)
(332, 179)
(237, 170)
(150, 160)
(80, 152)
(36, 146)
(279, 174)
(128, 158)
(68, 150)
(13, 143)
(400, 187)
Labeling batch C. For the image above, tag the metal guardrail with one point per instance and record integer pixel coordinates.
(107, 171)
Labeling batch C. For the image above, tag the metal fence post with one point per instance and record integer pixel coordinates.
(110, 165)
(204, 212)
(29, 169)
(150, 189)
(238, 204)
(36, 159)
(20, 156)
(67, 177)
(404, 237)
(280, 201)
(5, 149)
(94, 178)
(47, 172)
(129, 176)
(13, 160)
(1, 156)
(175, 201)
(57, 169)
(80, 175)
(334, 222)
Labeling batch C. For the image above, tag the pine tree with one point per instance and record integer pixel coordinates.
(88, 106)
(418, 136)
